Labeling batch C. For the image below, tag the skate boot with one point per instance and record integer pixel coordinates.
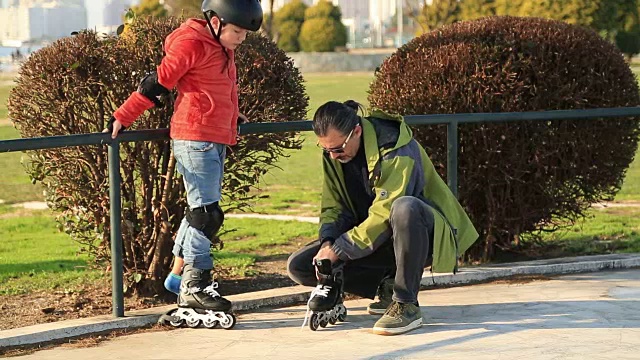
(326, 301)
(199, 302)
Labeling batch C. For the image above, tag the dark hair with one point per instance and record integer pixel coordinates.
(340, 116)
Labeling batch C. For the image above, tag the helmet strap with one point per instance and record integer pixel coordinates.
(216, 34)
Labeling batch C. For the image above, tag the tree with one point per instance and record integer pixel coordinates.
(438, 13)
(508, 7)
(288, 22)
(73, 86)
(473, 9)
(150, 8)
(627, 37)
(322, 29)
(288, 33)
(186, 8)
(268, 23)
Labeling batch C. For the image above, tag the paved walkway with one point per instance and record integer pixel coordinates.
(582, 316)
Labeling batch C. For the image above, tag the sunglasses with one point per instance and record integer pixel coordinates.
(340, 149)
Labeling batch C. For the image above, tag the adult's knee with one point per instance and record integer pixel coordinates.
(405, 211)
(300, 269)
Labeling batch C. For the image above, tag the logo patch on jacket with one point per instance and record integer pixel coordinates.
(384, 194)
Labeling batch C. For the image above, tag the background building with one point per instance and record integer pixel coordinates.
(37, 21)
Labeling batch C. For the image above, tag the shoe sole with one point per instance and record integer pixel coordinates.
(376, 311)
(416, 324)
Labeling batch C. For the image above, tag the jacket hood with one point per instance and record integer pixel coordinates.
(386, 137)
(198, 29)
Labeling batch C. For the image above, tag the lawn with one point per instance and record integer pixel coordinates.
(15, 185)
(35, 256)
(298, 183)
(292, 189)
(5, 88)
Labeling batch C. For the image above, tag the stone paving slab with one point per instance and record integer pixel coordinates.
(578, 316)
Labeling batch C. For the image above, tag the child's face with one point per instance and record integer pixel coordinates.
(232, 36)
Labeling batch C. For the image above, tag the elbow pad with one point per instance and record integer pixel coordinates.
(151, 89)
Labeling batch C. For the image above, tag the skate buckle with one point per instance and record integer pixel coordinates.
(210, 290)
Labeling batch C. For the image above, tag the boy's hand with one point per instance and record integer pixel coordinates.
(242, 119)
(114, 127)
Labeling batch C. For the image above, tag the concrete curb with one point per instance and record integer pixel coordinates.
(282, 297)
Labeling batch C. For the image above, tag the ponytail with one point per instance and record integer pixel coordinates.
(340, 116)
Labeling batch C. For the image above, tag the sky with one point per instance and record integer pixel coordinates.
(94, 11)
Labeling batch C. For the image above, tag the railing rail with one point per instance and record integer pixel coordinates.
(452, 121)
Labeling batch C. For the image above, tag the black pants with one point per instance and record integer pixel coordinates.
(403, 256)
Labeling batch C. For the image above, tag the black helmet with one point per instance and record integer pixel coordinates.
(246, 14)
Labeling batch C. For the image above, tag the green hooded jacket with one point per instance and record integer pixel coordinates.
(398, 166)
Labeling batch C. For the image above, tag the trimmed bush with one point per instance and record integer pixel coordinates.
(518, 178)
(74, 85)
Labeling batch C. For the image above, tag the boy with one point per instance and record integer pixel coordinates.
(199, 62)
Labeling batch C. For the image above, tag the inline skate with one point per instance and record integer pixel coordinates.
(326, 300)
(199, 302)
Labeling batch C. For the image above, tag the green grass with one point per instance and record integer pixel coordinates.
(5, 89)
(252, 239)
(336, 87)
(631, 186)
(295, 187)
(34, 255)
(15, 185)
(614, 229)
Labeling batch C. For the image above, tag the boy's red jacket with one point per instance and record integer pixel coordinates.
(206, 108)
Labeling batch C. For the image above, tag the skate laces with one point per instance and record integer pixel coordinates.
(320, 290)
(210, 290)
(395, 309)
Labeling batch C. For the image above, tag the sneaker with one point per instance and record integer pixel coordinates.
(399, 319)
(385, 293)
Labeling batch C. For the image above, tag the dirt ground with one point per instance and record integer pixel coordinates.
(47, 306)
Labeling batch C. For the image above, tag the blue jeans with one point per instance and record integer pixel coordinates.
(201, 165)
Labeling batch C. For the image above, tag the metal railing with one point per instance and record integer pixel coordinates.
(451, 120)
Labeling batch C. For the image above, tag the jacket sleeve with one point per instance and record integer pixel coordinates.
(365, 238)
(180, 57)
(335, 218)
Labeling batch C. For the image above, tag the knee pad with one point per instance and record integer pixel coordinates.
(207, 219)
(152, 89)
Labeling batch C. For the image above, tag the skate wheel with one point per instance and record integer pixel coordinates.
(324, 322)
(343, 315)
(175, 323)
(229, 322)
(313, 322)
(210, 324)
(193, 323)
(333, 320)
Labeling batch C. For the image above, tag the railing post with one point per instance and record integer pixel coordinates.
(116, 232)
(452, 156)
